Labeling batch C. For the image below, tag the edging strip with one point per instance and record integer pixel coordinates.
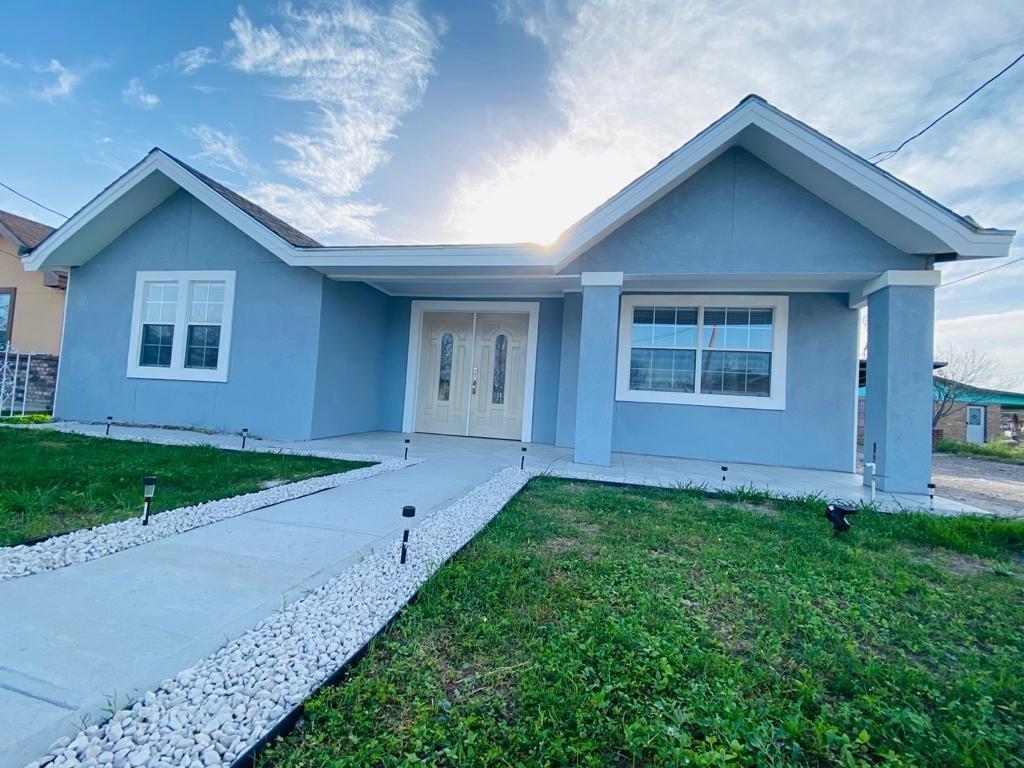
(215, 712)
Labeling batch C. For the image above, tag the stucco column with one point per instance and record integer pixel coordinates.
(595, 389)
(898, 406)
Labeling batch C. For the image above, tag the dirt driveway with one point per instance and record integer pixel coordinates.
(990, 485)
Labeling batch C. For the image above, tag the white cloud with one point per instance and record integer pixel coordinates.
(220, 149)
(65, 81)
(999, 334)
(8, 63)
(363, 69)
(136, 95)
(314, 213)
(191, 61)
(634, 79)
(207, 89)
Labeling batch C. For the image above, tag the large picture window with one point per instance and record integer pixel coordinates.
(709, 350)
(6, 315)
(181, 325)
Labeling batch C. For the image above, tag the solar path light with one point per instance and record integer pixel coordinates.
(522, 460)
(110, 419)
(245, 434)
(410, 512)
(406, 453)
(148, 489)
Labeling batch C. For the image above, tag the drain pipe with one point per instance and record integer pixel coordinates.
(870, 467)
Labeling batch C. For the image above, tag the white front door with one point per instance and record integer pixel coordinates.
(975, 424)
(499, 373)
(446, 356)
(472, 374)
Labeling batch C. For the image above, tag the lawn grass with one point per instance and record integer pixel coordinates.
(52, 482)
(593, 625)
(998, 451)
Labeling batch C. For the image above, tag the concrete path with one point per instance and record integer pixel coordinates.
(79, 640)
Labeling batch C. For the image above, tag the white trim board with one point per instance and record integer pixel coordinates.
(531, 308)
(780, 343)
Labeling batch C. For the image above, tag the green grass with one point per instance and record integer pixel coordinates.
(28, 418)
(52, 482)
(591, 625)
(998, 451)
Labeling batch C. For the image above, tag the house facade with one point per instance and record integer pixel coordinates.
(31, 303)
(708, 310)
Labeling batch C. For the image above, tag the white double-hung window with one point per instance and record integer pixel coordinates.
(703, 350)
(181, 325)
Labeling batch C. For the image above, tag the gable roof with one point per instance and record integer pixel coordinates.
(279, 227)
(903, 216)
(22, 232)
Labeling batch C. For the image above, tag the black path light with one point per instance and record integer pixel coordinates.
(406, 454)
(245, 435)
(148, 489)
(836, 515)
(725, 472)
(110, 420)
(931, 496)
(522, 460)
(407, 511)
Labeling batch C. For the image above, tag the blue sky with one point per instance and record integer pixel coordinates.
(363, 121)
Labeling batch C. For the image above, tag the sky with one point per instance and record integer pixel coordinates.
(506, 120)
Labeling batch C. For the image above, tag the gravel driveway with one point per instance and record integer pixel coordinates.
(992, 485)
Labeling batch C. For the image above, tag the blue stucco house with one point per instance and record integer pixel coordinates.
(708, 310)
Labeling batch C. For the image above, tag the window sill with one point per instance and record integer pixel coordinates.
(776, 403)
(177, 374)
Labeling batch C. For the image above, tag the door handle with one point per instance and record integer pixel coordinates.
(476, 372)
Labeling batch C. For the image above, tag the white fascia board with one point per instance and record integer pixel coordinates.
(153, 163)
(909, 203)
(514, 255)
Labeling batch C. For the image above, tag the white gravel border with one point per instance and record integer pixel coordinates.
(90, 544)
(210, 714)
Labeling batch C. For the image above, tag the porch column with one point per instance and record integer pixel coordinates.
(595, 389)
(898, 406)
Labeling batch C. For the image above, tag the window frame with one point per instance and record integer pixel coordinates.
(776, 401)
(9, 330)
(177, 370)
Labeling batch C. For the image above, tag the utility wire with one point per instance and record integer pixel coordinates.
(982, 272)
(34, 202)
(888, 154)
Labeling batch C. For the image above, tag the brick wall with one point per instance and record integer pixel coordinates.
(954, 424)
(42, 382)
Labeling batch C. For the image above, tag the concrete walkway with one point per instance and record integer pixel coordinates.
(82, 639)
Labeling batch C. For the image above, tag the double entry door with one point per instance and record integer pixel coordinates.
(472, 374)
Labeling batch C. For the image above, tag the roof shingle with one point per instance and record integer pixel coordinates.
(280, 228)
(29, 233)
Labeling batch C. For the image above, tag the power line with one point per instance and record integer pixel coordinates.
(34, 202)
(888, 154)
(982, 272)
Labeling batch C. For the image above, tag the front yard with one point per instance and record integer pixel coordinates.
(52, 482)
(592, 625)
(998, 451)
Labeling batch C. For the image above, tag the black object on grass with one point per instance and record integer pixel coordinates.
(837, 516)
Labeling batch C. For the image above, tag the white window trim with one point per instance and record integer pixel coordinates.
(177, 370)
(780, 334)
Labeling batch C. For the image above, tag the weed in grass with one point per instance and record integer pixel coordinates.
(1008, 452)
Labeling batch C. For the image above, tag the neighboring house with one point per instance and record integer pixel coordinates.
(31, 316)
(980, 415)
(977, 415)
(31, 303)
(708, 310)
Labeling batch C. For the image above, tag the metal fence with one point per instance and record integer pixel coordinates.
(20, 389)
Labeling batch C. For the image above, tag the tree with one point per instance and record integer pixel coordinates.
(959, 383)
